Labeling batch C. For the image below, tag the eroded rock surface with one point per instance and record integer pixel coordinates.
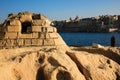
(46, 63)
(39, 64)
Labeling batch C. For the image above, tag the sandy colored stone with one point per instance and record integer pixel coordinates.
(26, 18)
(50, 30)
(95, 66)
(23, 28)
(38, 23)
(54, 29)
(36, 28)
(40, 42)
(53, 35)
(20, 42)
(15, 22)
(27, 42)
(11, 35)
(34, 41)
(49, 42)
(37, 64)
(52, 63)
(26, 35)
(13, 28)
(35, 35)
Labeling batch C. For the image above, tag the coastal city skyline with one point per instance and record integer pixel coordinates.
(61, 9)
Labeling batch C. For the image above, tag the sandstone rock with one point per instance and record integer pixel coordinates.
(94, 66)
(39, 64)
(54, 63)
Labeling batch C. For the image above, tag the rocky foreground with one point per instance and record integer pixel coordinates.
(50, 63)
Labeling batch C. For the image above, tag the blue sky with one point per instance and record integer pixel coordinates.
(60, 9)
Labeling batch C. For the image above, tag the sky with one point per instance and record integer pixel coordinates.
(61, 9)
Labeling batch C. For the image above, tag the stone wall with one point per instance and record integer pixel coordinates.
(29, 30)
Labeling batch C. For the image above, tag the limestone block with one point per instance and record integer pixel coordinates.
(26, 35)
(12, 42)
(24, 18)
(37, 42)
(20, 42)
(44, 35)
(34, 42)
(13, 28)
(54, 29)
(40, 42)
(11, 35)
(59, 41)
(27, 42)
(35, 35)
(47, 22)
(50, 29)
(43, 17)
(47, 35)
(36, 28)
(9, 43)
(37, 22)
(44, 29)
(53, 35)
(48, 42)
(15, 22)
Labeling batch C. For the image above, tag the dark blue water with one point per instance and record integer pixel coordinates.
(86, 39)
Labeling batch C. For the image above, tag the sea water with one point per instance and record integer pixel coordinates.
(87, 39)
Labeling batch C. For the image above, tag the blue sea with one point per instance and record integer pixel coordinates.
(86, 39)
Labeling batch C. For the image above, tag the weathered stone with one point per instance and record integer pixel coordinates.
(53, 35)
(15, 22)
(36, 28)
(49, 42)
(59, 41)
(29, 29)
(11, 35)
(44, 35)
(13, 28)
(20, 42)
(44, 29)
(35, 35)
(50, 29)
(54, 29)
(34, 42)
(25, 18)
(40, 42)
(8, 43)
(38, 23)
(47, 36)
(27, 42)
(42, 17)
(26, 35)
